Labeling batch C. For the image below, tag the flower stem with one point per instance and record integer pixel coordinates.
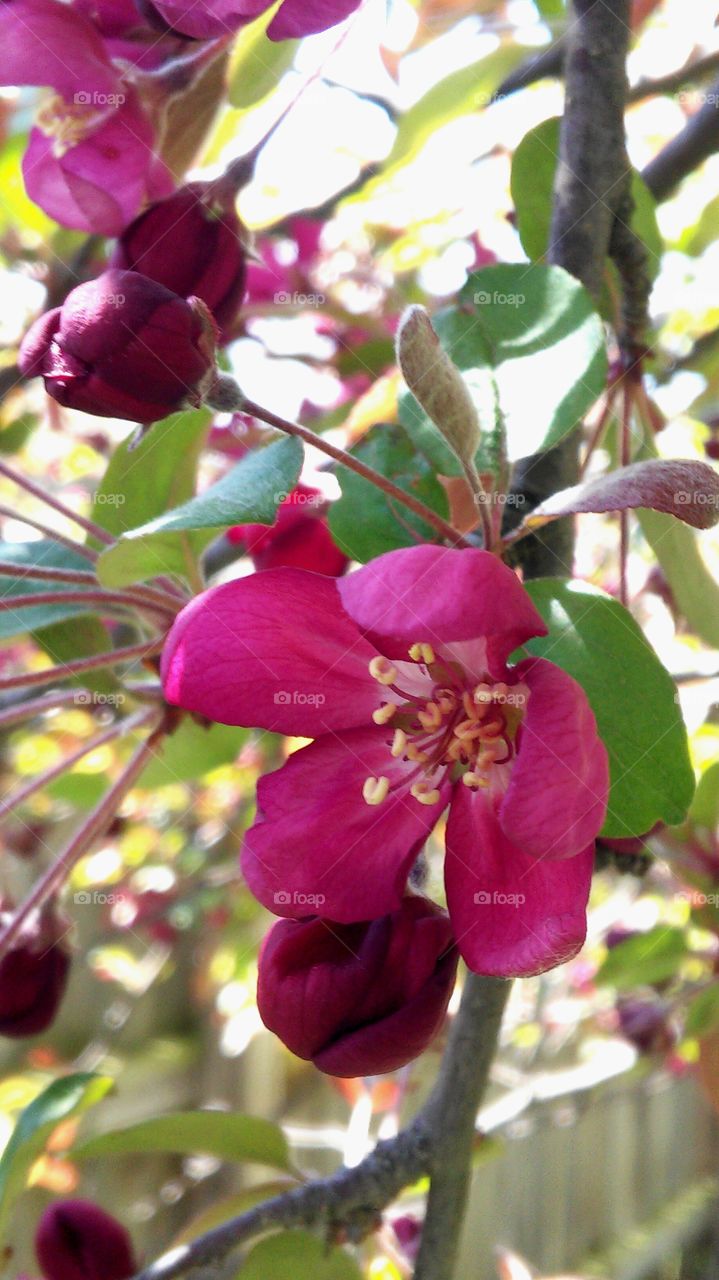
(36, 707)
(108, 599)
(35, 489)
(120, 727)
(227, 396)
(80, 665)
(78, 547)
(93, 826)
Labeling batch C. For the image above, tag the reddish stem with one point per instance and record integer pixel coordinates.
(93, 826)
(35, 489)
(77, 547)
(108, 599)
(80, 665)
(36, 707)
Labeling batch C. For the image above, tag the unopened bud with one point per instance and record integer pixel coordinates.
(437, 384)
(76, 1240)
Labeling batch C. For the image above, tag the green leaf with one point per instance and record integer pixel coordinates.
(364, 522)
(232, 1206)
(43, 553)
(299, 1255)
(459, 94)
(249, 493)
(18, 432)
(704, 808)
(654, 956)
(531, 333)
(703, 1012)
(190, 752)
(596, 640)
(257, 64)
(224, 1134)
(532, 184)
(69, 1096)
(158, 473)
(79, 638)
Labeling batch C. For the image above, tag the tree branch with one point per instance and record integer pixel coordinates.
(698, 140)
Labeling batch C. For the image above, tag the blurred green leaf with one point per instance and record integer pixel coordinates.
(531, 333)
(160, 472)
(257, 63)
(704, 808)
(190, 752)
(654, 956)
(232, 1207)
(596, 640)
(249, 493)
(299, 1255)
(79, 638)
(223, 1134)
(69, 1096)
(42, 553)
(703, 1012)
(18, 432)
(365, 522)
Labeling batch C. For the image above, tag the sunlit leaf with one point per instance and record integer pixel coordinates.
(224, 1134)
(647, 958)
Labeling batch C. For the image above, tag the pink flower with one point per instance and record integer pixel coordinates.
(206, 19)
(359, 999)
(90, 161)
(400, 673)
(299, 537)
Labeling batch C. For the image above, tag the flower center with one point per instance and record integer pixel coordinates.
(454, 724)
(69, 123)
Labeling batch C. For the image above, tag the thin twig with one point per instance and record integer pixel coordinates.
(93, 826)
(698, 140)
(11, 716)
(79, 666)
(79, 548)
(227, 395)
(37, 491)
(107, 599)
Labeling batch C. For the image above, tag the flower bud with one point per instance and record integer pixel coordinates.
(359, 999)
(33, 977)
(123, 346)
(299, 537)
(76, 1240)
(207, 19)
(645, 1023)
(192, 242)
(437, 384)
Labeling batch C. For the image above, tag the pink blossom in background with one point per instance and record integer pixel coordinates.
(400, 673)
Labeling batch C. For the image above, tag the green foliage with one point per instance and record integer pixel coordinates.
(705, 805)
(64, 1098)
(171, 543)
(40, 554)
(596, 640)
(224, 1134)
(299, 1255)
(650, 957)
(191, 751)
(257, 63)
(703, 1012)
(365, 522)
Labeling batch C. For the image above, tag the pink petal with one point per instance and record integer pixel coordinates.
(275, 651)
(298, 18)
(433, 594)
(47, 43)
(318, 848)
(557, 795)
(512, 916)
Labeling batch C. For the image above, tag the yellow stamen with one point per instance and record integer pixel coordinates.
(414, 753)
(381, 669)
(384, 713)
(474, 780)
(431, 717)
(422, 792)
(422, 653)
(375, 790)
(399, 742)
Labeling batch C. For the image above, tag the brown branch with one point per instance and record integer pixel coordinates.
(698, 140)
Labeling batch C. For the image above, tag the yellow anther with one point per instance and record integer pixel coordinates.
(422, 653)
(384, 713)
(467, 730)
(381, 669)
(424, 793)
(399, 742)
(375, 790)
(474, 780)
(413, 753)
(470, 707)
(446, 703)
(431, 717)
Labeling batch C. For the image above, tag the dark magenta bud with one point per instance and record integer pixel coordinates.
(299, 537)
(123, 346)
(208, 19)
(359, 999)
(76, 1240)
(645, 1023)
(192, 242)
(33, 977)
